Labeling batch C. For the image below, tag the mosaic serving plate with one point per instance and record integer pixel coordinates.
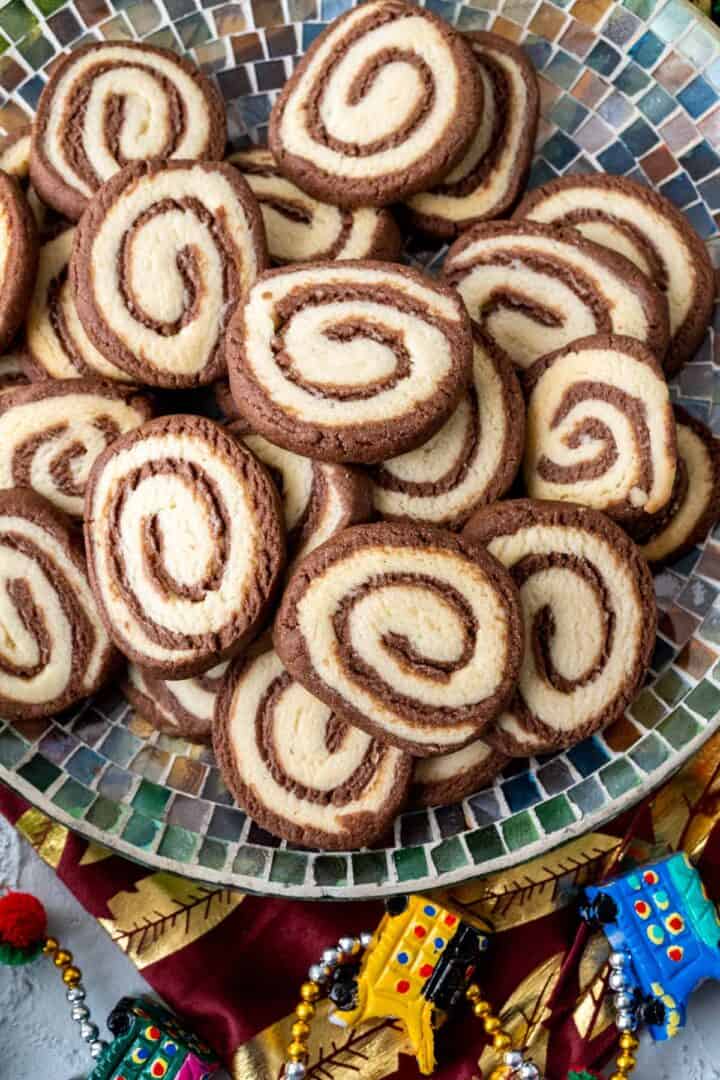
(630, 87)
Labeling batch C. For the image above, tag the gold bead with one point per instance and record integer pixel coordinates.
(310, 991)
(501, 1073)
(628, 1041)
(71, 976)
(491, 1024)
(481, 1008)
(300, 1029)
(626, 1062)
(297, 1050)
(51, 944)
(305, 1011)
(473, 992)
(62, 958)
(618, 1076)
(501, 1041)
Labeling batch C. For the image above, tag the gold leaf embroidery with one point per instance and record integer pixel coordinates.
(94, 853)
(687, 808)
(538, 887)
(162, 913)
(369, 1052)
(593, 1013)
(46, 837)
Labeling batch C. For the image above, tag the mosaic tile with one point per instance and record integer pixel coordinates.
(563, 70)
(621, 26)
(547, 21)
(141, 831)
(679, 727)
(700, 161)
(555, 777)
(369, 868)
(674, 18)
(621, 735)
(603, 58)
(589, 89)
(415, 828)
(484, 844)
(12, 748)
(178, 844)
(449, 856)
(521, 792)
(650, 753)
(212, 854)
(104, 814)
(619, 778)
(697, 97)
(695, 658)
(588, 756)
(410, 863)
(659, 164)
(639, 137)
(701, 221)
(519, 831)
(616, 109)
(577, 39)
(451, 820)
(631, 79)
(616, 159)
(251, 862)
(485, 807)
(587, 796)
(555, 814)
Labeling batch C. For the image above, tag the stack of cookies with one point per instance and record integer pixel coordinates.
(329, 582)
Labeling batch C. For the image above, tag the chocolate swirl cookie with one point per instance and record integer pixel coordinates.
(299, 770)
(407, 631)
(695, 504)
(53, 649)
(470, 461)
(185, 543)
(645, 227)
(600, 430)
(448, 778)
(491, 175)
(182, 707)
(15, 152)
(589, 616)
(535, 288)
(353, 361)
(51, 432)
(383, 104)
(18, 257)
(162, 257)
(300, 228)
(55, 339)
(12, 371)
(318, 499)
(108, 104)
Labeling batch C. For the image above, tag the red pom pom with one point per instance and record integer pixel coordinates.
(23, 922)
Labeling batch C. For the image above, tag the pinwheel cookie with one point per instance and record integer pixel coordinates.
(18, 258)
(298, 769)
(447, 778)
(182, 707)
(407, 631)
(589, 617)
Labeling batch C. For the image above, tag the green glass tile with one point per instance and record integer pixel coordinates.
(288, 868)
(485, 844)
(704, 699)
(679, 727)
(555, 814)
(16, 19)
(178, 843)
(619, 777)
(4, 44)
(519, 831)
(331, 870)
(212, 854)
(370, 868)
(150, 799)
(48, 6)
(141, 831)
(104, 814)
(73, 798)
(672, 20)
(39, 772)
(642, 8)
(670, 687)
(647, 710)
(449, 855)
(144, 18)
(164, 39)
(410, 863)
(251, 861)
(193, 30)
(36, 50)
(649, 753)
(12, 748)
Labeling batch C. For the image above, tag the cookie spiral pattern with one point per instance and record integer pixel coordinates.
(534, 288)
(382, 104)
(404, 630)
(318, 499)
(56, 342)
(15, 152)
(589, 615)
(470, 461)
(299, 770)
(695, 504)
(182, 707)
(108, 104)
(54, 649)
(300, 228)
(185, 543)
(600, 429)
(645, 227)
(161, 259)
(348, 361)
(492, 173)
(18, 258)
(51, 432)
(448, 778)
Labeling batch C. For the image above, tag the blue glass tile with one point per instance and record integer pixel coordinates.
(450, 819)
(309, 32)
(485, 807)
(700, 161)
(701, 221)
(255, 109)
(560, 151)
(672, 20)
(603, 58)
(12, 748)
(616, 159)
(697, 97)
(85, 765)
(57, 744)
(226, 823)
(656, 105)
(521, 792)
(662, 654)
(441, 7)
(568, 113)
(616, 109)
(582, 166)
(115, 783)
(679, 190)
(121, 745)
(472, 20)
(646, 51)
(710, 191)
(639, 138)
(563, 70)
(631, 80)
(538, 53)
(540, 173)
(32, 90)
(686, 564)
(588, 756)
(588, 796)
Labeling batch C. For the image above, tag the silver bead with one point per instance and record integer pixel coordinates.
(529, 1071)
(295, 1070)
(623, 1001)
(625, 1021)
(346, 944)
(316, 973)
(88, 1032)
(97, 1047)
(513, 1059)
(79, 1012)
(365, 938)
(617, 960)
(75, 993)
(617, 980)
(330, 958)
